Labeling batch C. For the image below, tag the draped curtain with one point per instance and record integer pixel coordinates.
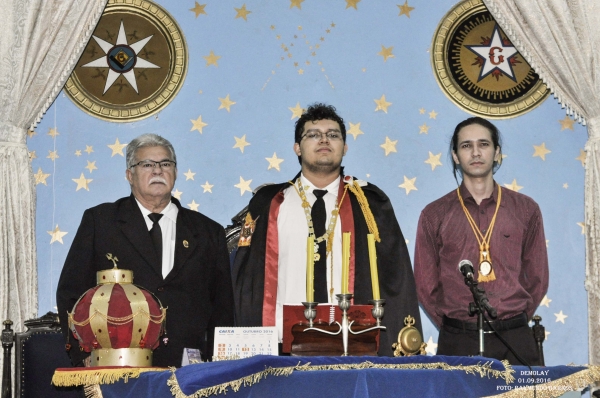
(40, 43)
(560, 40)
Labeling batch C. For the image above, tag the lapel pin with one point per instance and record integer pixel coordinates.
(186, 244)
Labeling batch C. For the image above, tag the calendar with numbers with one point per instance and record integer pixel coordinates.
(244, 342)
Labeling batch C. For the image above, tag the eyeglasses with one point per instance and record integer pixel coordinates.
(316, 135)
(164, 165)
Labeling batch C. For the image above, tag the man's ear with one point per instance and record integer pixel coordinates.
(455, 157)
(297, 149)
(345, 149)
(497, 155)
(128, 176)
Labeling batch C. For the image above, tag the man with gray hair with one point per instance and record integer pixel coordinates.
(177, 254)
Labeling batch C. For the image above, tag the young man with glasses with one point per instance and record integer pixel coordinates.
(270, 264)
(178, 254)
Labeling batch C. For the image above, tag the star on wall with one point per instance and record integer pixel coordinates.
(513, 186)
(386, 53)
(382, 104)
(88, 149)
(198, 124)
(296, 3)
(434, 160)
(422, 111)
(546, 301)
(91, 166)
(582, 225)
(560, 317)
(243, 186)
(389, 145)
(31, 133)
(496, 56)
(547, 333)
(431, 346)
(78, 153)
(565, 185)
(207, 187)
(354, 130)
(433, 114)
(56, 235)
(242, 12)
(177, 194)
(226, 103)
(274, 162)
(352, 3)
(189, 175)
(117, 148)
(32, 155)
(40, 177)
(409, 184)
(82, 182)
(52, 155)
(424, 129)
(53, 133)
(541, 151)
(194, 206)
(581, 157)
(198, 9)
(566, 123)
(241, 143)
(297, 111)
(405, 9)
(211, 59)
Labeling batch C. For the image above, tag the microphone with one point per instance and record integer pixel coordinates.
(466, 268)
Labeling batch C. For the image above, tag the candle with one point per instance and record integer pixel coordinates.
(310, 269)
(345, 261)
(373, 263)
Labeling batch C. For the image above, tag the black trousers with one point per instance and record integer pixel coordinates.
(465, 342)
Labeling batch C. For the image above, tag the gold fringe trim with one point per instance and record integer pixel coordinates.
(364, 205)
(92, 391)
(86, 376)
(483, 370)
(574, 382)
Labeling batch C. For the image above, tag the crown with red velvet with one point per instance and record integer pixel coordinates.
(119, 322)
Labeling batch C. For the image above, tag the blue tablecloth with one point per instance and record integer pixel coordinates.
(417, 376)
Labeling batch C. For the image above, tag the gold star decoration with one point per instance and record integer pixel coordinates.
(389, 145)
(78, 153)
(382, 104)
(177, 194)
(565, 185)
(546, 301)
(52, 155)
(53, 133)
(242, 12)
(434, 160)
(117, 148)
(513, 186)
(198, 9)
(82, 182)
(422, 111)
(88, 149)
(424, 129)
(300, 71)
(211, 59)
(541, 151)
(91, 166)
(566, 123)
(31, 133)
(386, 52)
(297, 111)
(198, 124)
(274, 162)
(243, 186)
(32, 155)
(582, 225)
(193, 206)
(352, 3)
(431, 346)
(56, 235)
(405, 9)
(560, 317)
(581, 157)
(241, 143)
(433, 114)
(40, 177)
(409, 184)
(355, 130)
(207, 187)
(226, 103)
(189, 175)
(296, 3)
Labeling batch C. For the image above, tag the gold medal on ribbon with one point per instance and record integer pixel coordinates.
(485, 264)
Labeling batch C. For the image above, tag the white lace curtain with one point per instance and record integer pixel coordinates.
(40, 43)
(560, 39)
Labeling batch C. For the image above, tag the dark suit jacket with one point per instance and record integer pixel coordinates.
(197, 291)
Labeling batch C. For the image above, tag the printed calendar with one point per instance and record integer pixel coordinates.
(244, 342)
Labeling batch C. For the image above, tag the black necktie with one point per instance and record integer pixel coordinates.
(156, 235)
(319, 216)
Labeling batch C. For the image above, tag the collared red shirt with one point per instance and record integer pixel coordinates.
(517, 249)
(168, 228)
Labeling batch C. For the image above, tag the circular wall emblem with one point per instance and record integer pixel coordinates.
(479, 69)
(134, 64)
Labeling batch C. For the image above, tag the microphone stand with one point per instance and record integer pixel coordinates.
(479, 306)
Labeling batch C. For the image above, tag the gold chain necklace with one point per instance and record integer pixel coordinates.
(486, 272)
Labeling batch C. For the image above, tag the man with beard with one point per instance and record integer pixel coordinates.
(270, 265)
(501, 233)
(177, 254)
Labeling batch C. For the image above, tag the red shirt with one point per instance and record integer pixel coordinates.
(517, 250)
